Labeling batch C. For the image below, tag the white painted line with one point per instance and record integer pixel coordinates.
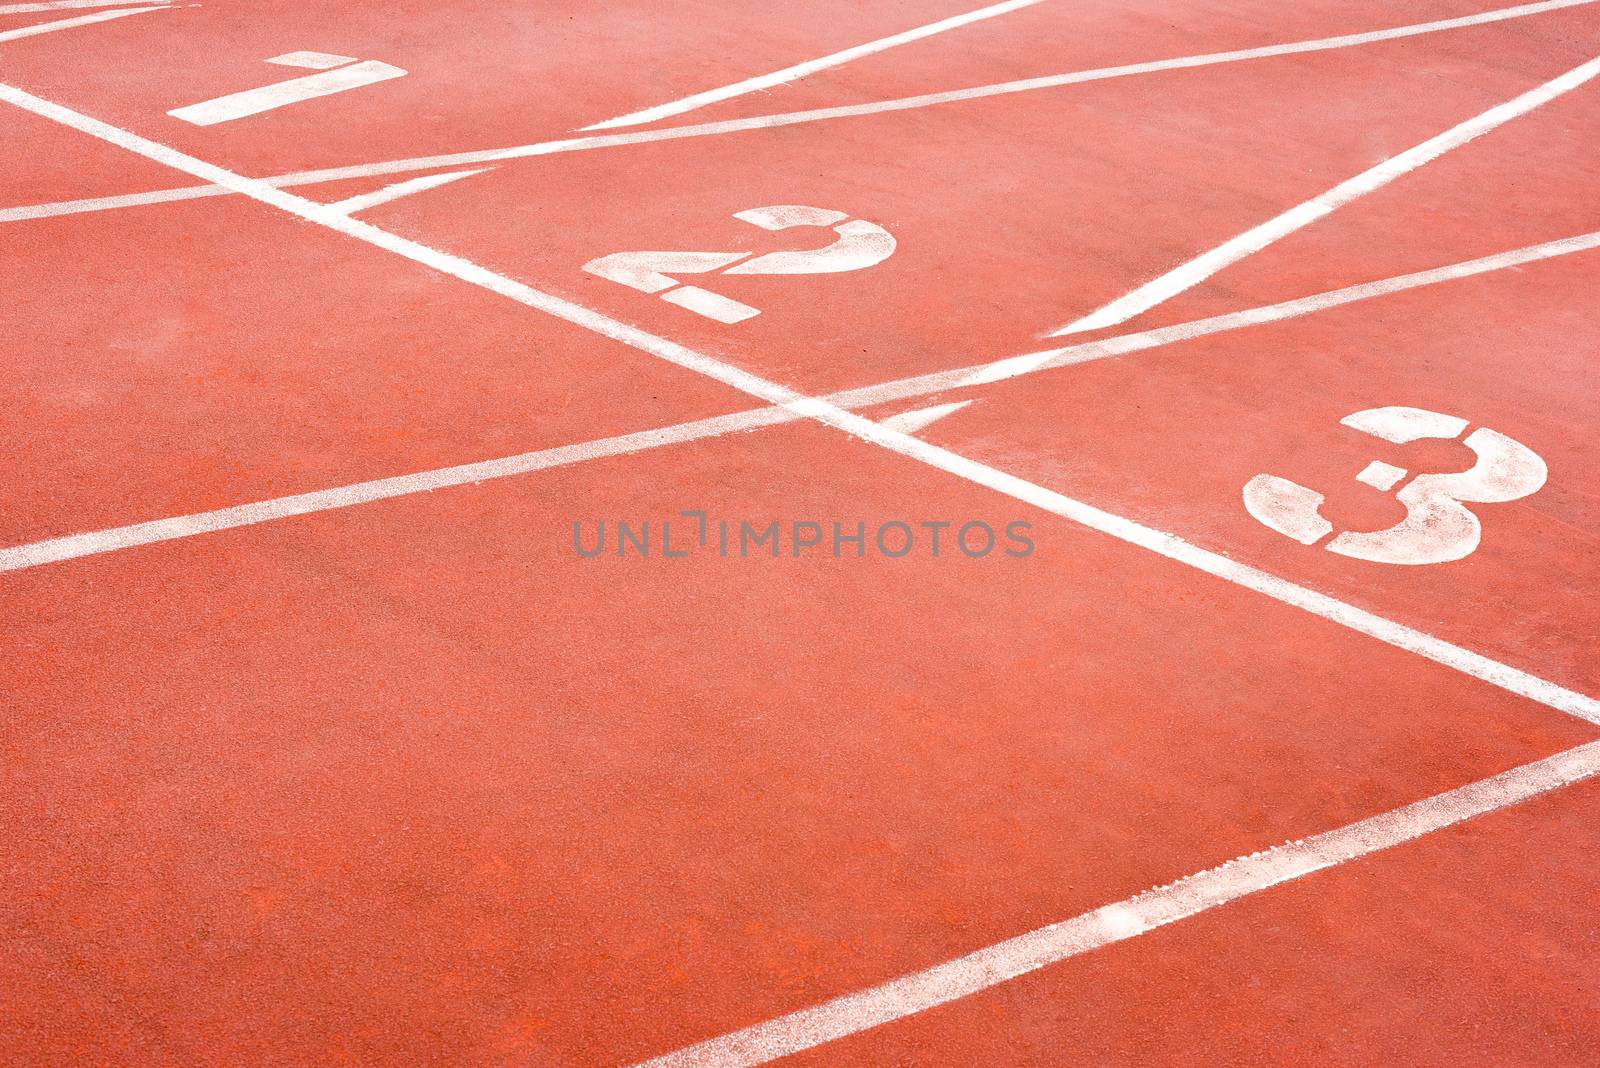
(122, 200)
(1109, 924)
(363, 201)
(711, 305)
(293, 91)
(761, 122)
(311, 60)
(1106, 348)
(81, 20)
(1301, 215)
(73, 546)
(800, 70)
(58, 5)
(1398, 635)
(922, 418)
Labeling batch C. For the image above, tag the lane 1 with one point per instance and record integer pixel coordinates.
(478, 72)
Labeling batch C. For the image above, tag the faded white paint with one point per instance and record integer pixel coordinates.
(859, 244)
(711, 305)
(985, 968)
(55, 550)
(1301, 215)
(800, 70)
(759, 122)
(921, 418)
(1287, 507)
(81, 20)
(311, 60)
(293, 91)
(59, 5)
(647, 271)
(1437, 527)
(1380, 476)
(397, 190)
(1399, 635)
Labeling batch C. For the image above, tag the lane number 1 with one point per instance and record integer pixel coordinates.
(337, 74)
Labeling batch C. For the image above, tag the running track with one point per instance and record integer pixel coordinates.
(325, 746)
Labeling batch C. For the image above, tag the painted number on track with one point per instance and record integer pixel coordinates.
(856, 244)
(1437, 526)
(336, 74)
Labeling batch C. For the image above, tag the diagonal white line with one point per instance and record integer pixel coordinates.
(73, 546)
(363, 201)
(1109, 924)
(1122, 344)
(988, 967)
(81, 20)
(57, 5)
(1174, 548)
(760, 122)
(1301, 215)
(800, 70)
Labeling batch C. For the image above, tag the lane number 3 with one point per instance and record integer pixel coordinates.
(856, 244)
(1437, 526)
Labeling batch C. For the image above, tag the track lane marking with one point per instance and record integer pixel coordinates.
(999, 963)
(1253, 240)
(331, 78)
(801, 70)
(1510, 679)
(1136, 915)
(542, 148)
(80, 20)
(74, 546)
(397, 190)
(60, 5)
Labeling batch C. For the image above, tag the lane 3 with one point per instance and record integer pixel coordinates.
(517, 804)
(1173, 436)
(1463, 948)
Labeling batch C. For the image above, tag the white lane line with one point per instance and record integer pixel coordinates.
(800, 70)
(186, 526)
(311, 60)
(1109, 924)
(58, 5)
(1122, 344)
(81, 20)
(760, 122)
(1301, 215)
(111, 203)
(73, 546)
(363, 201)
(919, 419)
(1174, 548)
(325, 82)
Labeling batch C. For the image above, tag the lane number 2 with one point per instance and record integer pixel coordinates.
(1437, 526)
(856, 244)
